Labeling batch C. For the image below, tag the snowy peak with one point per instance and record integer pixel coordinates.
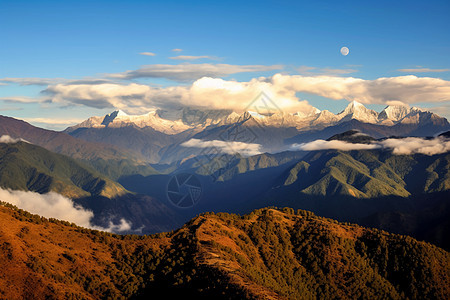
(112, 116)
(325, 117)
(403, 114)
(353, 106)
(119, 119)
(356, 110)
(177, 121)
(394, 112)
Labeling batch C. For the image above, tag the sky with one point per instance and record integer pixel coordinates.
(64, 61)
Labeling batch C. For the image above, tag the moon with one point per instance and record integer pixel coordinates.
(344, 51)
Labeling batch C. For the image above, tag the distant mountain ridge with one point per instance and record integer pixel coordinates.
(105, 158)
(182, 120)
(158, 135)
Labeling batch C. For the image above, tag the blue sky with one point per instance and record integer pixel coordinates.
(69, 40)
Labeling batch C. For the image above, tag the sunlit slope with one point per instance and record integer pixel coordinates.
(268, 254)
(366, 174)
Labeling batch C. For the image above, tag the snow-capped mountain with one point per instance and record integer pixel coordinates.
(394, 113)
(159, 135)
(357, 111)
(162, 121)
(177, 121)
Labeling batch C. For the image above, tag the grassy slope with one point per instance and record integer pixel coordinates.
(268, 254)
(367, 174)
(25, 166)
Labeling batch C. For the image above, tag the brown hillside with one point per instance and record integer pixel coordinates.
(268, 254)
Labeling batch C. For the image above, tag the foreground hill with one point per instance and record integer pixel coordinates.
(268, 254)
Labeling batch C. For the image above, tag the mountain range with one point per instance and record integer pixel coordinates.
(159, 136)
(107, 159)
(387, 170)
(197, 120)
(115, 150)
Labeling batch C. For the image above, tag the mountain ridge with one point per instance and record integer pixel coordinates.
(28, 167)
(107, 159)
(177, 123)
(222, 256)
(159, 136)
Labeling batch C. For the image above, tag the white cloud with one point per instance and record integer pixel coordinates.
(335, 144)
(191, 57)
(217, 93)
(228, 147)
(401, 146)
(123, 225)
(32, 80)
(147, 53)
(177, 50)
(407, 89)
(53, 205)
(21, 99)
(423, 70)
(6, 139)
(54, 121)
(50, 81)
(212, 93)
(189, 72)
(412, 145)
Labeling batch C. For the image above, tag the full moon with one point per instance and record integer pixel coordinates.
(344, 51)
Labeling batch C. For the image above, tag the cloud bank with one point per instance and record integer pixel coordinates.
(189, 72)
(245, 149)
(412, 145)
(217, 93)
(423, 70)
(401, 146)
(210, 93)
(406, 89)
(335, 145)
(53, 205)
(50, 81)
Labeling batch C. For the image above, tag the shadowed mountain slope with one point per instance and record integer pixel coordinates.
(107, 159)
(28, 167)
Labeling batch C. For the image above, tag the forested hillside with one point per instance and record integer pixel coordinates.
(268, 254)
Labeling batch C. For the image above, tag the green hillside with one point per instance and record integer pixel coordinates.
(24, 166)
(369, 173)
(226, 167)
(107, 159)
